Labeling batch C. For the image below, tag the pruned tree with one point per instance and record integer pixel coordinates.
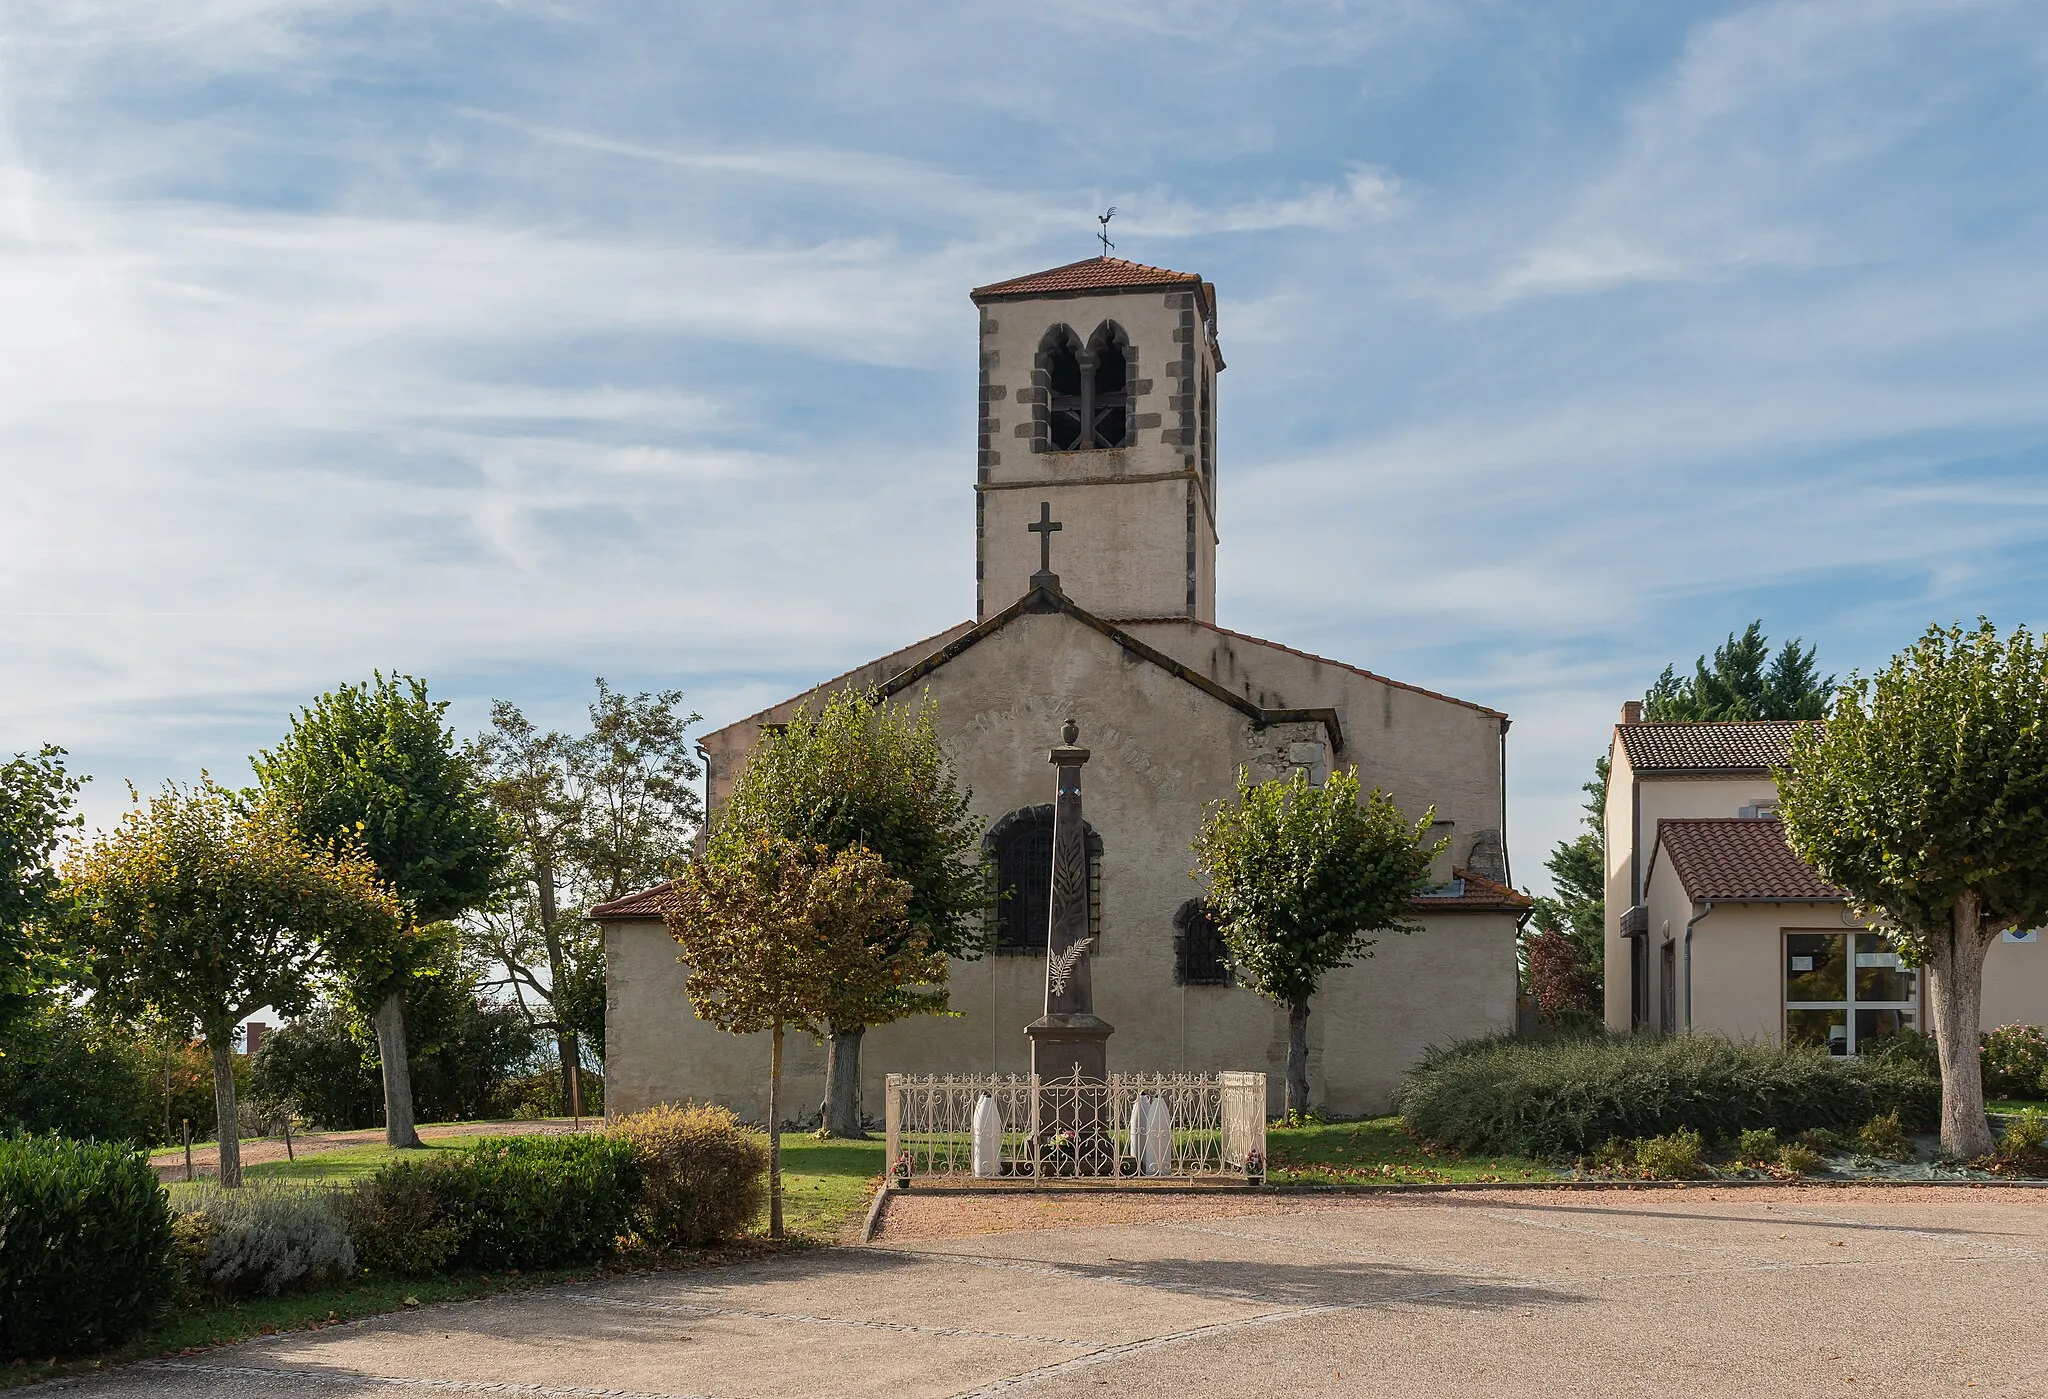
(595, 816)
(36, 796)
(1301, 879)
(778, 935)
(1743, 681)
(374, 767)
(1925, 796)
(204, 905)
(857, 773)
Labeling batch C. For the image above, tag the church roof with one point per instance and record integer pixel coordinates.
(1093, 274)
(1052, 600)
(1473, 893)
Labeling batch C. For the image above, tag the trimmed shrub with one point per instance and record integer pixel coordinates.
(702, 1175)
(2015, 1062)
(400, 1221)
(1556, 1097)
(1758, 1146)
(513, 1202)
(263, 1240)
(1819, 1139)
(1885, 1139)
(85, 1246)
(1801, 1159)
(1673, 1157)
(2025, 1141)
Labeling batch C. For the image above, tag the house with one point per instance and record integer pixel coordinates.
(1714, 924)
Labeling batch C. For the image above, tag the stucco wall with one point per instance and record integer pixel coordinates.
(1163, 749)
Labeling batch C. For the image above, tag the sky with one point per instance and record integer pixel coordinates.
(511, 344)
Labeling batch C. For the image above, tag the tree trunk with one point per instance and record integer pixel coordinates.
(227, 1126)
(390, 1022)
(841, 1114)
(572, 1087)
(775, 1135)
(1955, 995)
(1297, 1058)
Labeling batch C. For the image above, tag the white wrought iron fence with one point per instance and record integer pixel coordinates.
(1021, 1127)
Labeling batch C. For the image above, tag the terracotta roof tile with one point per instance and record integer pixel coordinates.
(1753, 747)
(1089, 274)
(647, 903)
(1476, 893)
(1737, 857)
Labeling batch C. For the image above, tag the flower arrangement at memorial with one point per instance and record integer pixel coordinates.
(1254, 1167)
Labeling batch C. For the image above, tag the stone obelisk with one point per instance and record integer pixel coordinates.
(1069, 1036)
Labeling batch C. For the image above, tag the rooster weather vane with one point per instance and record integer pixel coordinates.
(1104, 219)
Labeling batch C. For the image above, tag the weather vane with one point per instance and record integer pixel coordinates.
(1104, 219)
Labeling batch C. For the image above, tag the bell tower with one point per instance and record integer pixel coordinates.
(1098, 395)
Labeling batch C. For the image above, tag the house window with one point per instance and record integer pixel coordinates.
(1846, 992)
(1021, 846)
(1200, 956)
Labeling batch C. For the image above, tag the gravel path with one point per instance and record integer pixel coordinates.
(1548, 1294)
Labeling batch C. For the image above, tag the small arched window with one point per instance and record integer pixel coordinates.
(1200, 956)
(1020, 844)
(1109, 408)
(1063, 386)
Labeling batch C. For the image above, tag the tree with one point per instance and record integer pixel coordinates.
(1744, 682)
(1565, 974)
(777, 934)
(595, 816)
(1925, 796)
(206, 905)
(859, 774)
(374, 766)
(1300, 877)
(36, 796)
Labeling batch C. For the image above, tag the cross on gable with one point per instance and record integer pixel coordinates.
(1043, 527)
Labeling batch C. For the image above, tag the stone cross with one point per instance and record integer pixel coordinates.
(1043, 527)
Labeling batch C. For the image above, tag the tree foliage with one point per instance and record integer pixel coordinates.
(1301, 879)
(594, 816)
(857, 773)
(1925, 796)
(1744, 681)
(777, 935)
(1565, 976)
(204, 905)
(36, 795)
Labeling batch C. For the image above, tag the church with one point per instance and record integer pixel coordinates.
(1096, 495)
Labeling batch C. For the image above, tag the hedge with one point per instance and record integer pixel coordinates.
(519, 1202)
(85, 1246)
(1562, 1097)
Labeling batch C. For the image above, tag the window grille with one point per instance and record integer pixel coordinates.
(1200, 956)
(1021, 846)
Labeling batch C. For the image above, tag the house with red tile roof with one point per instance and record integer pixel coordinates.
(1096, 492)
(1715, 924)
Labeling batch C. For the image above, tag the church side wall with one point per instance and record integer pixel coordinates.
(1421, 749)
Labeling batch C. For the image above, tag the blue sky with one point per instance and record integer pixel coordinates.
(515, 343)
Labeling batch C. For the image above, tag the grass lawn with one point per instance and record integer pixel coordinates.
(826, 1185)
(2015, 1104)
(1377, 1151)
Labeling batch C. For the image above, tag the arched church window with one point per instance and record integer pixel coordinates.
(1020, 844)
(1109, 408)
(1064, 397)
(1200, 956)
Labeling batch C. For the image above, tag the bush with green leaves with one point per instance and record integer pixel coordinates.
(1675, 1156)
(63, 1072)
(261, 1240)
(1557, 1097)
(515, 1202)
(703, 1175)
(1758, 1146)
(1801, 1159)
(1885, 1138)
(2015, 1062)
(2025, 1139)
(85, 1246)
